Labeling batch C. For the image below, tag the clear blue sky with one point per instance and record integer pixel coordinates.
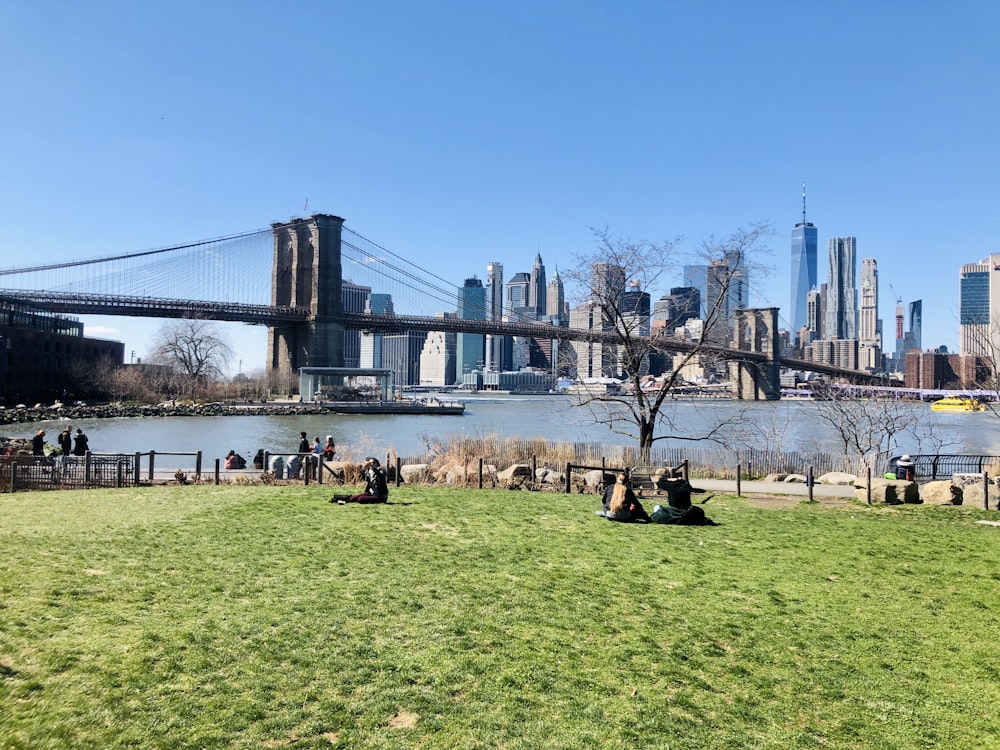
(492, 131)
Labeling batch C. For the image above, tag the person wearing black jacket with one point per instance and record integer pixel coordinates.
(376, 486)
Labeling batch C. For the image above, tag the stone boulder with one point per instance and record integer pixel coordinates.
(595, 478)
(414, 473)
(514, 476)
(965, 480)
(972, 495)
(796, 478)
(838, 478)
(545, 475)
(457, 474)
(775, 477)
(888, 491)
(942, 492)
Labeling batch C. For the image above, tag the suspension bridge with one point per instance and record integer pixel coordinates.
(291, 277)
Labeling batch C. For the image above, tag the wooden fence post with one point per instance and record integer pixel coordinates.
(152, 459)
(738, 474)
(869, 485)
(197, 464)
(569, 477)
(809, 482)
(986, 491)
(135, 469)
(480, 472)
(217, 462)
(399, 467)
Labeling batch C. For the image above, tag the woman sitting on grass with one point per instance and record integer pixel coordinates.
(376, 487)
(621, 504)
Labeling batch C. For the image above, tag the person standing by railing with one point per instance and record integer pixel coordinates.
(80, 443)
(38, 444)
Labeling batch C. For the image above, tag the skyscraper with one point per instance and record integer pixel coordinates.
(841, 300)
(869, 338)
(470, 347)
(868, 313)
(536, 289)
(804, 251)
(517, 295)
(494, 305)
(917, 322)
(974, 307)
(555, 300)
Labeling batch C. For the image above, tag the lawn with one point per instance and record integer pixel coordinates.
(264, 617)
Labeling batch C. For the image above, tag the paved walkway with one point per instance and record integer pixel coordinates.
(773, 488)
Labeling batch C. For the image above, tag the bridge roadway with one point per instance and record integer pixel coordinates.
(156, 307)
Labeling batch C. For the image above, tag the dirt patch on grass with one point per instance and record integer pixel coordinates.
(789, 501)
(403, 720)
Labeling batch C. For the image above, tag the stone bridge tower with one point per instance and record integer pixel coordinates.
(757, 331)
(306, 273)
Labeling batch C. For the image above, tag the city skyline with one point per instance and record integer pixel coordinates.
(470, 131)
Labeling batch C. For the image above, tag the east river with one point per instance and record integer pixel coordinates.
(785, 425)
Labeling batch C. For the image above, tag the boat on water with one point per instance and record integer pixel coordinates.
(957, 403)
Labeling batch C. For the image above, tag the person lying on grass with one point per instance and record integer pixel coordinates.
(376, 487)
(679, 509)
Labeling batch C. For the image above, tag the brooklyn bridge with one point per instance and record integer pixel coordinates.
(291, 278)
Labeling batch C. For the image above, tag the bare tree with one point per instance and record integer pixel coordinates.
(613, 279)
(196, 348)
(872, 425)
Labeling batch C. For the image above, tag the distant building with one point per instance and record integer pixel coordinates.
(524, 381)
(494, 307)
(371, 342)
(804, 251)
(401, 354)
(979, 307)
(46, 358)
(841, 298)
(555, 301)
(917, 322)
(937, 370)
(470, 351)
(517, 295)
(841, 353)
(869, 329)
(355, 299)
(536, 286)
(437, 359)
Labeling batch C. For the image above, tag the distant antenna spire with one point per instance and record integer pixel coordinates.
(803, 201)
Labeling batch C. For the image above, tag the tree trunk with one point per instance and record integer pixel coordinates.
(646, 429)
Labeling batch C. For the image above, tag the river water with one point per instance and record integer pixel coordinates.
(784, 425)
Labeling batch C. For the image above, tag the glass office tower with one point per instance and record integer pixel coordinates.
(804, 248)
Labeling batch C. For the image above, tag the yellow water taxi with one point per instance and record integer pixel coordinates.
(957, 403)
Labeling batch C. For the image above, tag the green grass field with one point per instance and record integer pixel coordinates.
(264, 617)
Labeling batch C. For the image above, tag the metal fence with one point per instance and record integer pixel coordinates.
(942, 466)
(68, 472)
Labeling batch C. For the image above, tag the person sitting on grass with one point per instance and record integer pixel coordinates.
(376, 486)
(621, 504)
